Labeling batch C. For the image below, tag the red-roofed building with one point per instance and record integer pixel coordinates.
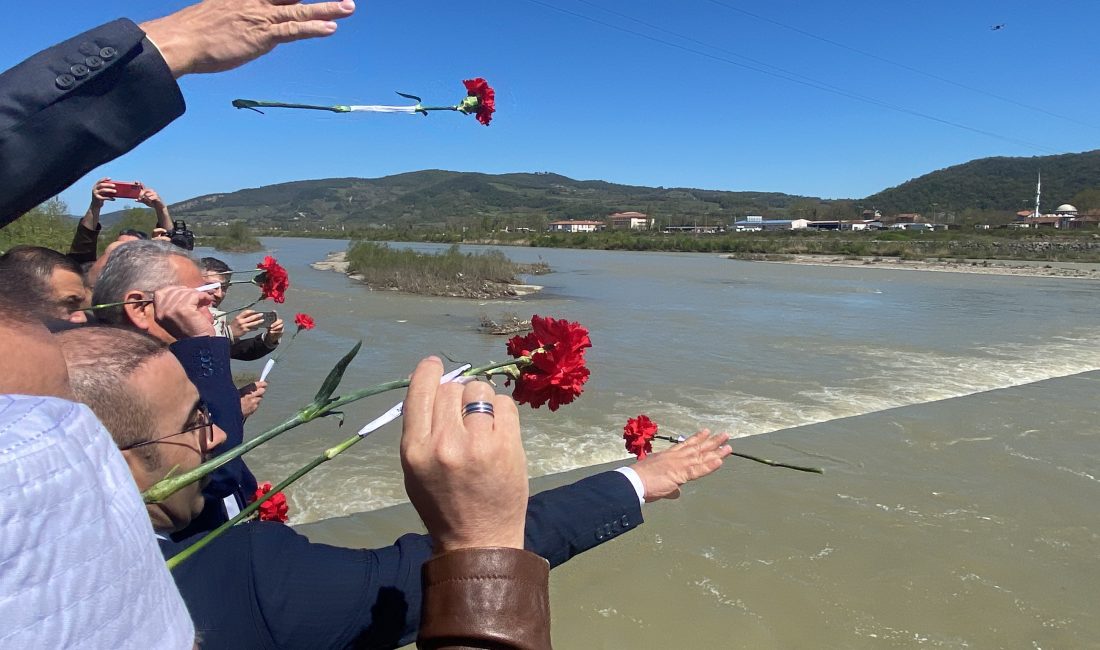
(629, 220)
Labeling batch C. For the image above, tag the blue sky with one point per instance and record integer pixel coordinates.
(592, 101)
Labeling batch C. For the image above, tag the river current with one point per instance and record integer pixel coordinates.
(954, 415)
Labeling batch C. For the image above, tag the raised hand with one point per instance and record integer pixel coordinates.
(150, 198)
(184, 312)
(103, 190)
(466, 476)
(663, 472)
(219, 35)
(249, 320)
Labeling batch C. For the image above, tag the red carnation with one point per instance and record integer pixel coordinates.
(304, 321)
(557, 372)
(486, 98)
(638, 434)
(274, 281)
(275, 508)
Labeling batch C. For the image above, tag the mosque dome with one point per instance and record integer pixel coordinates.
(1065, 207)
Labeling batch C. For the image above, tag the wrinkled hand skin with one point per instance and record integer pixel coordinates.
(467, 477)
(219, 35)
(184, 312)
(663, 472)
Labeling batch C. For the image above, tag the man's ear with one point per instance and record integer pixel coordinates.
(140, 315)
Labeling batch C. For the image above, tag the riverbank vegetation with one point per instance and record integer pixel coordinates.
(235, 238)
(450, 273)
(47, 225)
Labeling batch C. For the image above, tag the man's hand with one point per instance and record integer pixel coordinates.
(150, 198)
(103, 190)
(184, 312)
(274, 333)
(664, 472)
(251, 396)
(467, 477)
(219, 35)
(247, 321)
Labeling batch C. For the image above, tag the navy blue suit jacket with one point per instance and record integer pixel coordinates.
(206, 361)
(77, 105)
(262, 585)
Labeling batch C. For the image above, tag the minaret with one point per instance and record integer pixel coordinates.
(1038, 193)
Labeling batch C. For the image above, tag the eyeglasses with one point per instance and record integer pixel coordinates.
(202, 414)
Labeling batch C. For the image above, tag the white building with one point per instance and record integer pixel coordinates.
(575, 226)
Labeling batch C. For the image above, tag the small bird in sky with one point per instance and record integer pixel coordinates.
(998, 28)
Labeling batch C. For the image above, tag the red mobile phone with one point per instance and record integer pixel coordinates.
(125, 190)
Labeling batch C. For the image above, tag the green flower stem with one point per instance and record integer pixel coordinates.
(327, 455)
(254, 105)
(169, 486)
(758, 459)
(248, 306)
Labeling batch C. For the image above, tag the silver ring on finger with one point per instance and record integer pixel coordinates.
(478, 407)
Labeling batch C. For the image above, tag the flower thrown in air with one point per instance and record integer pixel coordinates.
(480, 100)
(275, 508)
(557, 372)
(638, 434)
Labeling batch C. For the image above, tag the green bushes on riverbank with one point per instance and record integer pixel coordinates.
(451, 273)
(236, 238)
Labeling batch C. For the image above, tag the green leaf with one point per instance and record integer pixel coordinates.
(334, 377)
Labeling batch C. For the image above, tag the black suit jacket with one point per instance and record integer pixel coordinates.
(77, 105)
(206, 361)
(262, 585)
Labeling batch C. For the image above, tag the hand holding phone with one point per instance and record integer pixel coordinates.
(124, 190)
(269, 318)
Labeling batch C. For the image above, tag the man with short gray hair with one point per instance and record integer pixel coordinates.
(135, 273)
(158, 280)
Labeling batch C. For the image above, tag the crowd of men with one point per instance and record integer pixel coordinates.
(97, 405)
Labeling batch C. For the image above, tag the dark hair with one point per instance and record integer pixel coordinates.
(212, 266)
(37, 261)
(134, 233)
(24, 298)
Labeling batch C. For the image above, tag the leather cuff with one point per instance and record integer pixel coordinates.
(486, 598)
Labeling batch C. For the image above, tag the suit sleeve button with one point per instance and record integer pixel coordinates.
(87, 48)
(79, 70)
(65, 81)
(93, 62)
(107, 53)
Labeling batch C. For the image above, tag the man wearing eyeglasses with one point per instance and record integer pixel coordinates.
(261, 584)
(158, 281)
(141, 394)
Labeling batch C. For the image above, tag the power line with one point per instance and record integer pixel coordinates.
(903, 66)
(776, 71)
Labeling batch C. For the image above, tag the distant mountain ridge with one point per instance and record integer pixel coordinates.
(995, 184)
(432, 198)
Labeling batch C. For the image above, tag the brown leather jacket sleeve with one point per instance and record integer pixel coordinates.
(496, 598)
